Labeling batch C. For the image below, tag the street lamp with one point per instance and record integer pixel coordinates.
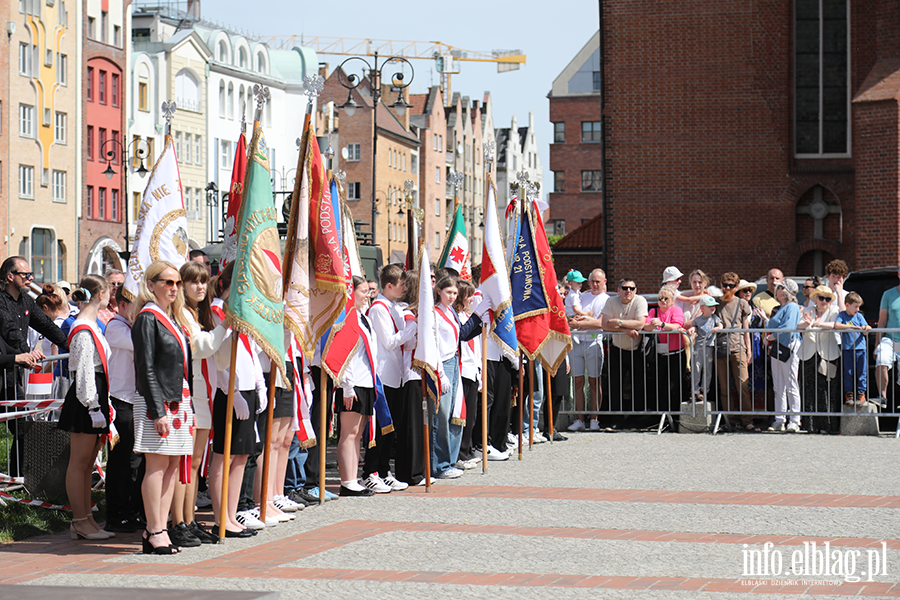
(398, 82)
(138, 152)
(212, 203)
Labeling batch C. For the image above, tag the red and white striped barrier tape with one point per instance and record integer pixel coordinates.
(14, 480)
(25, 413)
(32, 403)
(39, 503)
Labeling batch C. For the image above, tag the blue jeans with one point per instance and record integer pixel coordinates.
(295, 477)
(855, 370)
(446, 437)
(538, 396)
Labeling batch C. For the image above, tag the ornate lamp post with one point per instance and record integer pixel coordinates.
(399, 83)
(139, 152)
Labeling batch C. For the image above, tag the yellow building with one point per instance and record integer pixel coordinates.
(44, 107)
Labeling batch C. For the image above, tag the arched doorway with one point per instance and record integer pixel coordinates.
(104, 256)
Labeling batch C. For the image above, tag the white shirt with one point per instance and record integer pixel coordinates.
(204, 345)
(121, 359)
(573, 301)
(358, 371)
(595, 304)
(471, 355)
(447, 332)
(248, 371)
(391, 333)
(85, 362)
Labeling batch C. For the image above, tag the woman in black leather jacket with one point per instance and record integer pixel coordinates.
(163, 419)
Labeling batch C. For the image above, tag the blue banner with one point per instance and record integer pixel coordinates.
(525, 278)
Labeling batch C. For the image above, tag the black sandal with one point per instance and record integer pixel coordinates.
(149, 548)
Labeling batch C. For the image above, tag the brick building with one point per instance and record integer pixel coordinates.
(738, 136)
(101, 228)
(5, 172)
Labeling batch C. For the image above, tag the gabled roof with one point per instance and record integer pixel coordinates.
(587, 237)
(587, 53)
(388, 122)
(418, 102)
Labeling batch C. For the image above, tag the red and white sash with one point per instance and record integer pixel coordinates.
(458, 416)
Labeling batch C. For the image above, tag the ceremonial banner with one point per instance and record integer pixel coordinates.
(456, 251)
(529, 300)
(495, 281)
(255, 305)
(235, 193)
(301, 422)
(559, 338)
(426, 357)
(328, 294)
(161, 232)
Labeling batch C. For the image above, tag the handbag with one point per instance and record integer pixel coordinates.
(779, 351)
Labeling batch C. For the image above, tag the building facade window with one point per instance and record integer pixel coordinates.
(222, 99)
(26, 181)
(559, 181)
(591, 131)
(231, 101)
(596, 85)
(59, 186)
(198, 150)
(187, 91)
(178, 148)
(114, 205)
(101, 203)
(26, 121)
(559, 133)
(226, 154)
(353, 191)
(43, 243)
(437, 174)
(437, 207)
(821, 77)
(26, 59)
(62, 65)
(114, 90)
(90, 202)
(143, 99)
(101, 87)
(353, 153)
(590, 181)
(89, 91)
(59, 129)
(92, 28)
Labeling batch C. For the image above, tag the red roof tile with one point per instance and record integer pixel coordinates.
(589, 235)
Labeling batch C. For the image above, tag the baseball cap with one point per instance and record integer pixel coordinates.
(65, 285)
(575, 276)
(671, 274)
(707, 300)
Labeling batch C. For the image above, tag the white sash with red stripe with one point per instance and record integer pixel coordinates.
(458, 416)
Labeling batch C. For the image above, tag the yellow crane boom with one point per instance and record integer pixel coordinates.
(446, 56)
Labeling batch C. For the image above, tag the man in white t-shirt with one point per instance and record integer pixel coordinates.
(586, 357)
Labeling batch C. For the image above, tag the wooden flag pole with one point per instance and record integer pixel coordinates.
(549, 413)
(267, 450)
(531, 404)
(521, 400)
(323, 432)
(484, 405)
(426, 432)
(226, 459)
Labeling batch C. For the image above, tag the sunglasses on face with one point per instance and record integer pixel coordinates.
(729, 286)
(628, 288)
(808, 287)
(169, 282)
(25, 274)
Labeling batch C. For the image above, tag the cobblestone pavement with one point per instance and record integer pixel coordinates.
(610, 515)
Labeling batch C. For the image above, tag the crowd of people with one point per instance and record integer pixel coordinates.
(151, 373)
(673, 353)
(150, 376)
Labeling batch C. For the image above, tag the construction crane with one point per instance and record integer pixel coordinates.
(446, 57)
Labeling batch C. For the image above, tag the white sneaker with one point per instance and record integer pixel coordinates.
(377, 484)
(250, 520)
(465, 465)
(793, 428)
(203, 499)
(577, 425)
(422, 482)
(511, 438)
(396, 484)
(494, 454)
(451, 473)
(595, 425)
(285, 504)
(539, 437)
(473, 463)
(271, 520)
(777, 426)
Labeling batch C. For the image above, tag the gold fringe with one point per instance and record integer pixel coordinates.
(308, 443)
(387, 430)
(241, 326)
(371, 444)
(562, 357)
(458, 421)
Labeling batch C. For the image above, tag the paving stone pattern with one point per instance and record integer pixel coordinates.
(621, 515)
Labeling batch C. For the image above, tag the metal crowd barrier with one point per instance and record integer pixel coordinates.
(644, 383)
(17, 406)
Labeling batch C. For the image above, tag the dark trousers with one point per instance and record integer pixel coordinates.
(312, 456)
(124, 468)
(409, 458)
(378, 457)
(500, 383)
(471, 398)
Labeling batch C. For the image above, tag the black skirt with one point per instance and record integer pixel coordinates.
(364, 403)
(75, 417)
(243, 433)
(284, 399)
